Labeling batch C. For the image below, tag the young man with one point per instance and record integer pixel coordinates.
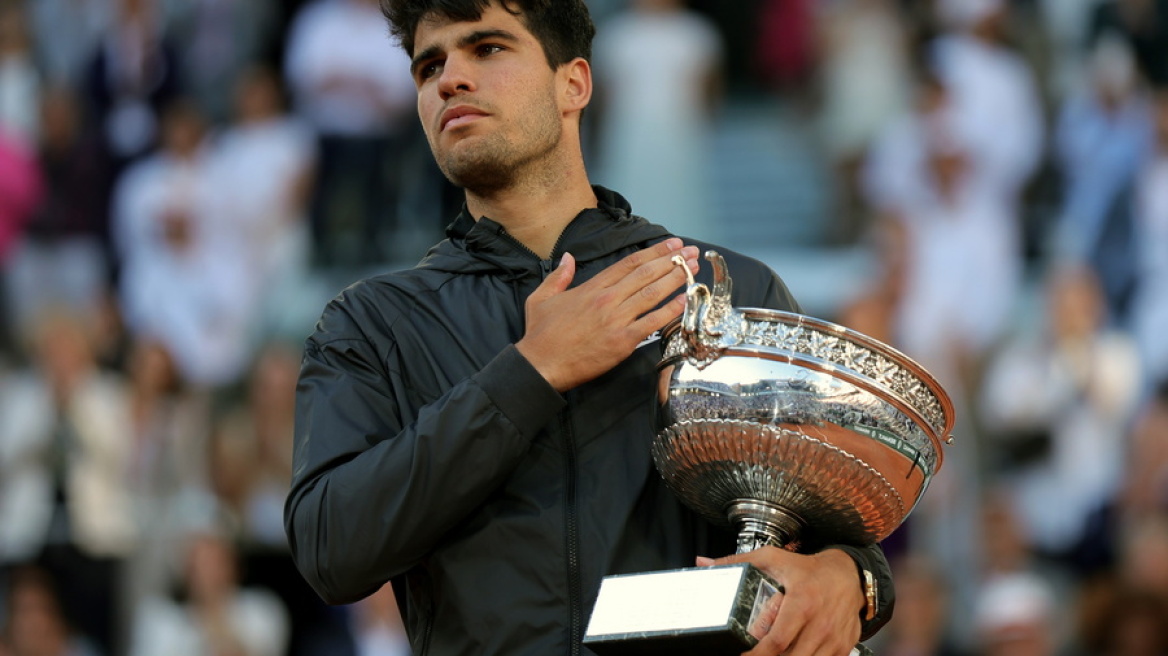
(477, 429)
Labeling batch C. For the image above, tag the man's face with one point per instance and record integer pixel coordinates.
(487, 98)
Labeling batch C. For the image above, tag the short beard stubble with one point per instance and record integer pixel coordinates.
(495, 161)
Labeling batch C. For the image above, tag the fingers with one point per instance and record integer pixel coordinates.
(724, 560)
(764, 618)
(654, 320)
(575, 333)
(635, 287)
(643, 289)
(635, 272)
(630, 263)
(799, 629)
(816, 615)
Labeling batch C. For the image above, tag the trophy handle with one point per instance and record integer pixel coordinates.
(720, 306)
(710, 323)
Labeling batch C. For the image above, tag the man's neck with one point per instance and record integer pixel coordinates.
(535, 216)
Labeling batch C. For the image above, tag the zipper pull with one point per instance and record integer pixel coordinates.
(546, 267)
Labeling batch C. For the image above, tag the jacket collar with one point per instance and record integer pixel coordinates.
(593, 234)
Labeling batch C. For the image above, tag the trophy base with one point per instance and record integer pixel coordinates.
(697, 611)
(703, 611)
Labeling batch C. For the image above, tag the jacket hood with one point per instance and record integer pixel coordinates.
(483, 245)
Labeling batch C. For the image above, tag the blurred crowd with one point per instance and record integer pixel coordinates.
(184, 183)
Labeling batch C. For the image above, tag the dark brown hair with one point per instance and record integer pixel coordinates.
(563, 27)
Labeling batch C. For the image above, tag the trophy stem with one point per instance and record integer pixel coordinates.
(762, 524)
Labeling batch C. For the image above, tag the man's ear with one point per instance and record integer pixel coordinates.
(576, 77)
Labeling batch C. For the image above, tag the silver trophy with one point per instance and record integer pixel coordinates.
(786, 427)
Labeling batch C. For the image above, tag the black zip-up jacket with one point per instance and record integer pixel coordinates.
(429, 452)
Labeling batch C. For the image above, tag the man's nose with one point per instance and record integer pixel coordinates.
(456, 77)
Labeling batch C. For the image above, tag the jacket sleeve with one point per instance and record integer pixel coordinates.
(371, 493)
(871, 558)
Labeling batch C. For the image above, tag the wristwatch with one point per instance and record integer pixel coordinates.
(870, 594)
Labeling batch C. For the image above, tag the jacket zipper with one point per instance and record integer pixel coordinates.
(572, 540)
(571, 519)
(545, 266)
(429, 630)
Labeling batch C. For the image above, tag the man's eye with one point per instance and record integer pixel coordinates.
(427, 71)
(489, 49)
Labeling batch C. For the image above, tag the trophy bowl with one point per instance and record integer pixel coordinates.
(786, 426)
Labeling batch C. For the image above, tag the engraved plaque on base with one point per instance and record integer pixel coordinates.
(786, 428)
(699, 611)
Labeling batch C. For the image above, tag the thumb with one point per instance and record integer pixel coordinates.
(703, 561)
(558, 280)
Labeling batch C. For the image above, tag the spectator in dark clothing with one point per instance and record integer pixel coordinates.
(1144, 24)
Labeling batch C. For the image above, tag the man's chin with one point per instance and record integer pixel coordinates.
(478, 176)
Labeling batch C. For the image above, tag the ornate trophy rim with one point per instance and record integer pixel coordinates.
(942, 431)
(828, 367)
(939, 427)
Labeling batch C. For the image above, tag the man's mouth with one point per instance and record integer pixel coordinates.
(460, 115)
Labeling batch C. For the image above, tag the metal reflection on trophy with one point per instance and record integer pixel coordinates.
(787, 428)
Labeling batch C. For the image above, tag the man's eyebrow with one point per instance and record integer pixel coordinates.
(467, 40)
(428, 53)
